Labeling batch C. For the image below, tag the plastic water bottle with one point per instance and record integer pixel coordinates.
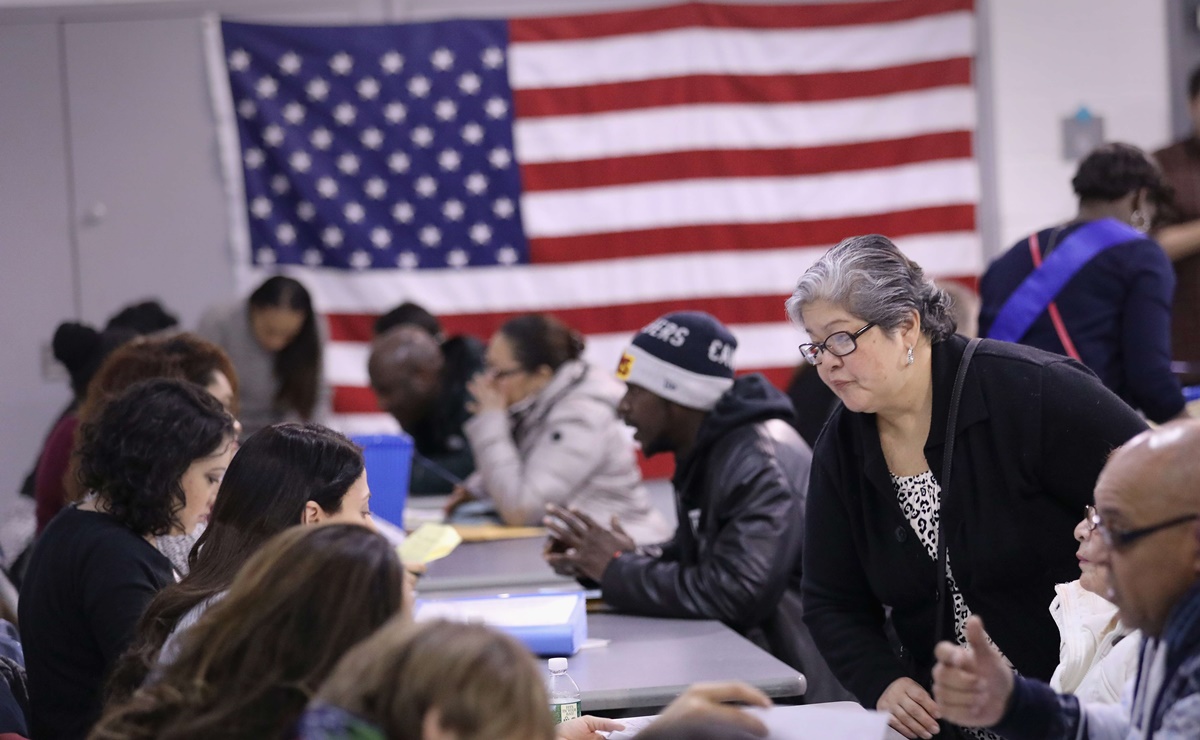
(565, 702)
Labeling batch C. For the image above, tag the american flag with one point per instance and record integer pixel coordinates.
(606, 168)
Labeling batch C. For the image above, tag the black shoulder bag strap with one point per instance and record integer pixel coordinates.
(951, 428)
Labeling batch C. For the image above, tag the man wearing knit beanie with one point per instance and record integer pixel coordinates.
(741, 474)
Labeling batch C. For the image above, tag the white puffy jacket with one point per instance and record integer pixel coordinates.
(564, 445)
(1097, 654)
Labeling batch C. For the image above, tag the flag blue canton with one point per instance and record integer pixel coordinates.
(377, 147)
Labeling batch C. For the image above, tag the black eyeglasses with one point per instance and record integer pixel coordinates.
(838, 344)
(1118, 539)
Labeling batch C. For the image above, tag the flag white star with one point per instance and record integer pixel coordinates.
(360, 260)
(368, 88)
(293, 113)
(266, 87)
(426, 186)
(495, 108)
(399, 162)
(477, 183)
(239, 60)
(348, 163)
(453, 209)
(408, 261)
(354, 213)
(492, 57)
(254, 158)
(247, 108)
(449, 160)
(317, 89)
(289, 63)
(481, 233)
(332, 237)
(442, 59)
(419, 86)
(312, 257)
(422, 136)
(273, 135)
(391, 62)
(457, 258)
(500, 158)
(430, 236)
(266, 256)
(381, 237)
(327, 187)
(280, 184)
(395, 112)
(285, 233)
(344, 113)
(300, 161)
(469, 83)
(371, 138)
(472, 133)
(376, 188)
(260, 207)
(305, 210)
(445, 109)
(403, 212)
(506, 255)
(503, 208)
(321, 138)
(341, 63)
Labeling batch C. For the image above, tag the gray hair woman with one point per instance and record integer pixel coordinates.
(1033, 431)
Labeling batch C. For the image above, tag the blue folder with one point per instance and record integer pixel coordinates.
(550, 625)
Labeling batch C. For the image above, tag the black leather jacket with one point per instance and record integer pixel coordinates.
(735, 556)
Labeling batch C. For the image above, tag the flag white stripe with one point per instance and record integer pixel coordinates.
(673, 52)
(749, 200)
(759, 346)
(602, 282)
(738, 126)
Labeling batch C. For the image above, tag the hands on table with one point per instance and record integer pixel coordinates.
(579, 546)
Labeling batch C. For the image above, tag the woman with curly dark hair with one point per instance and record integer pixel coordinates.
(275, 341)
(251, 664)
(1097, 288)
(282, 476)
(151, 463)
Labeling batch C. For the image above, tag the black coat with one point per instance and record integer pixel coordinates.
(1034, 431)
(735, 557)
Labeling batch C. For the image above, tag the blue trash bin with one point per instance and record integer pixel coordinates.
(388, 458)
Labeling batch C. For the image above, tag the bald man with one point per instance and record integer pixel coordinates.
(1148, 513)
(408, 374)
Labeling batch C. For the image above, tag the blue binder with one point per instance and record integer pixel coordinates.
(550, 625)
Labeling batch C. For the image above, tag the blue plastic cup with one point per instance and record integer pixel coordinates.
(388, 458)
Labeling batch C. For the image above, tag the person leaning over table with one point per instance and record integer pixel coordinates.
(1033, 432)
(741, 472)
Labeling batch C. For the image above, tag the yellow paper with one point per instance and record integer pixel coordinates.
(428, 543)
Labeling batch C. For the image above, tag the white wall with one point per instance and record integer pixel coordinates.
(132, 104)
(1048, 57)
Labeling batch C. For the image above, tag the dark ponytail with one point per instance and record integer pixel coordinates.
(538, 339)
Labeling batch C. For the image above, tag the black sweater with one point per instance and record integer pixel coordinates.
(1034, 431)
(89, 581)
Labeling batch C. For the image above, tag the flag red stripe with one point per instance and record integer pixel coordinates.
(745, 162)
(715, 88)
(595, 320)
(746, 237)
(709, 15)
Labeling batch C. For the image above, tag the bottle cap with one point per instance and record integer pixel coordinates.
(558, 664)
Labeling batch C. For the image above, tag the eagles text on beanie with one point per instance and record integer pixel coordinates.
(685, 357)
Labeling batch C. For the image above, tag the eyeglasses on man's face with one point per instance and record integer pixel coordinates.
(838, 344)
(1119, 539)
